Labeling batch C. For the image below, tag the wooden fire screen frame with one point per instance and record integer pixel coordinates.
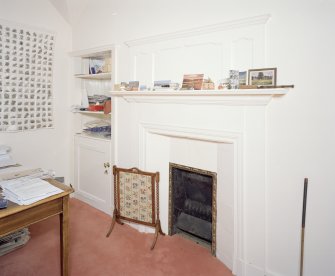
(136, 199)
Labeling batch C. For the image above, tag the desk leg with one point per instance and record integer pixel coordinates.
(64, 237)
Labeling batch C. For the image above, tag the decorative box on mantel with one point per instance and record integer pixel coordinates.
(226, 97)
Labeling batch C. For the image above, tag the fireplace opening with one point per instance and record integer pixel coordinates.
(192, 204)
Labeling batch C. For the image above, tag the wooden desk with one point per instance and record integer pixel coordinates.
(16, 217)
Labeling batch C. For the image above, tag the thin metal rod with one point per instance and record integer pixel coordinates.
(302, 241)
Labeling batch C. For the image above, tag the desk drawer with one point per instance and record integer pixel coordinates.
(29, 216)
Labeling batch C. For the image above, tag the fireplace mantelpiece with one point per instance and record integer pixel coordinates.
(226, 97)
(149, 128)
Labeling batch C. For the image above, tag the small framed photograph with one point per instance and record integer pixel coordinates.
(242, 77)
(192, 82)
(264, 76)
(133, 85)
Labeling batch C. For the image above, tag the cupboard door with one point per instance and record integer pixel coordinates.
(93, 179)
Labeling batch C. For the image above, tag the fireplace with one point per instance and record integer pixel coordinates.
(220, 132)
(192, 204)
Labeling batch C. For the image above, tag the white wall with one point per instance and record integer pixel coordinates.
(48, 148)
(301, 124)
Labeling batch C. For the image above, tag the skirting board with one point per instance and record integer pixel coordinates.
(244, 269)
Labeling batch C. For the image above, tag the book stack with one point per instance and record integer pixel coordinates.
(97, 99)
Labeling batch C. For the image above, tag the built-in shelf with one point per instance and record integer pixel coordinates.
(93, 137)
(92, 112)
(100, 76)
(223, 97)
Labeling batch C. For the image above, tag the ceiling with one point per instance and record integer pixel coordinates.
(70, 9)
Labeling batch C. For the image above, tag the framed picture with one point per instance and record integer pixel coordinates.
(192, 82)
(264, 76)
(133, 85)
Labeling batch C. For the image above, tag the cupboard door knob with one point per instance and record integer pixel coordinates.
(106, 166)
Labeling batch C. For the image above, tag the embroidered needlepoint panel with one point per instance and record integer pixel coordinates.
(136, 195)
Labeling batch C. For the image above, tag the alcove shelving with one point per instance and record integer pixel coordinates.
(94, 72)
(87, 82)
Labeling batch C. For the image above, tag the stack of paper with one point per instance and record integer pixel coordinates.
(13, 241)
(27, 191)
(23, 173)
(5, 159)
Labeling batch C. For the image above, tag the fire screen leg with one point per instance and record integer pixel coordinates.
(114, 219)
(158, 230)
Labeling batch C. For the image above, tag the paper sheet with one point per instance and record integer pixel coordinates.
(27, 191)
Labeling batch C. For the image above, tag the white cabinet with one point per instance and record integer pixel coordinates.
(93, 178)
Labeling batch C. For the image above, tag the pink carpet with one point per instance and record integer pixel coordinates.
(125, 252)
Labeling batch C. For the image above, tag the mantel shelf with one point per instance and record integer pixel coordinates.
(218, 97)
(100, 76)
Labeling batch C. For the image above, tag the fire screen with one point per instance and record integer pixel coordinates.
(136, 198)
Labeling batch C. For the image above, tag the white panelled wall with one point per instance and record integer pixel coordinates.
(300, 126)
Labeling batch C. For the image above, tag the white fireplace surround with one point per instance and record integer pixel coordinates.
(225, 136)
(201, 142)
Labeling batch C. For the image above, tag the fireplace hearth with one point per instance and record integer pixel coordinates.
(192, 204)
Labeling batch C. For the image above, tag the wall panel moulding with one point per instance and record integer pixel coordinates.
(227, 25)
